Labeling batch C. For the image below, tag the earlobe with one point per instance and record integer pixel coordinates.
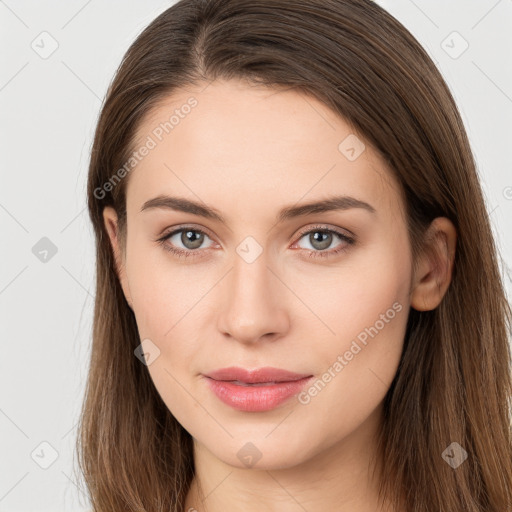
(435, 266)
(111, 225)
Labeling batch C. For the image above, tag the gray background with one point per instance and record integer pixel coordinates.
(49, 106)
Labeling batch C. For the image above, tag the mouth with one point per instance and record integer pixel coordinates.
(256, 384)
(258, 390)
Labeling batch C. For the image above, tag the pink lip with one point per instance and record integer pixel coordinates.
(235, 387)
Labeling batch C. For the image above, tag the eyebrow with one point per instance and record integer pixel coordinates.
(333, 203)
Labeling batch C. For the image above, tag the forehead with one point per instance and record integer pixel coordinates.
(263, 147)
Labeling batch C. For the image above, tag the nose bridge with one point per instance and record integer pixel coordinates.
(254, 306)
(250, 277)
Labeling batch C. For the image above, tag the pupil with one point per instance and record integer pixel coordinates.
(191, 239)
(322, 239)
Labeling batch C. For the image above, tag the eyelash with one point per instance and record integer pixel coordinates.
(180, 253)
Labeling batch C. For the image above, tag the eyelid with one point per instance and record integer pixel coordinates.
(184, 227)
(326, 227)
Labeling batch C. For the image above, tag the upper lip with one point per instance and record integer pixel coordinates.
(258, 375)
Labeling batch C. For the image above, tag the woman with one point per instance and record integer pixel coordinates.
(298, 304)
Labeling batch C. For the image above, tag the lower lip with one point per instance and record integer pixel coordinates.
(255, 398)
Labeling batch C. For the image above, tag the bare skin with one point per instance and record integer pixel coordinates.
(248, 152)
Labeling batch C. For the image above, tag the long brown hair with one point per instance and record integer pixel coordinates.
(454, 379)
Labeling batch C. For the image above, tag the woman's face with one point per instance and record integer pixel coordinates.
(263, 280)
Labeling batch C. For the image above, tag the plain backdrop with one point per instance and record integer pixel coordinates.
(57, 60)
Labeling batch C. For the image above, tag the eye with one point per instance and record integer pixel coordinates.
(321, 238)
(190, 238)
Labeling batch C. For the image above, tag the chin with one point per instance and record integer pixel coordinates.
(260, 451)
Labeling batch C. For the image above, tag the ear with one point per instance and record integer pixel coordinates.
(434, 269)
(111, 225)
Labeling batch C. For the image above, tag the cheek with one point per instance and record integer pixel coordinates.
(350, 298)
(167, 298)
(358, 371)
(365, 306)
(171, 302)
(164, 291)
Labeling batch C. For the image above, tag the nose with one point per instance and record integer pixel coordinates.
(253, 303)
